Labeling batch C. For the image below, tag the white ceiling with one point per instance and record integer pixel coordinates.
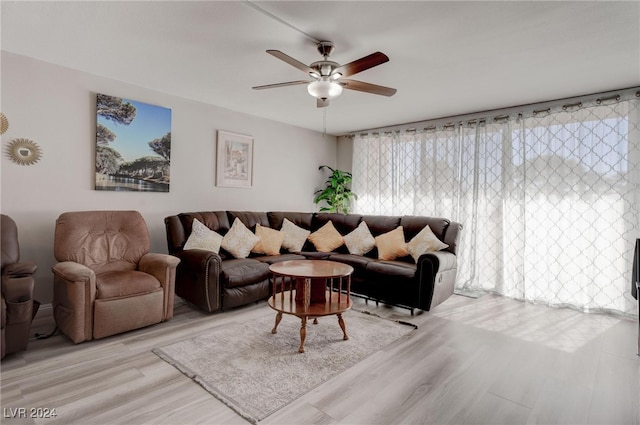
(446, 58)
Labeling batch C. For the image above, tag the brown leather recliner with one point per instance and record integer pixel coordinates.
(106, 281)
(18, 305)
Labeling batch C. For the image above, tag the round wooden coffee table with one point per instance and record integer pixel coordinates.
(310, 288)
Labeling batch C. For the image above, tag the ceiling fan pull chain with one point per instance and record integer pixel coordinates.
(324, 122)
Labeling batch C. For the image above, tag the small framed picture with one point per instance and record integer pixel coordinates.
(235, 160)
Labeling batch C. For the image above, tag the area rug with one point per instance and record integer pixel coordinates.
(255, 372)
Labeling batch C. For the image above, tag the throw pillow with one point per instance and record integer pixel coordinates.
(294, 236)
(391, 245)
(423, 242)
(326, 238)
(270, 240)
(360, 241)
(202, 237)
(239, 240)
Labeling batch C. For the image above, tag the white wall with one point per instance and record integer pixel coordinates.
(55, 107)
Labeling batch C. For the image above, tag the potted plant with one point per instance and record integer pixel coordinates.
(336, 193)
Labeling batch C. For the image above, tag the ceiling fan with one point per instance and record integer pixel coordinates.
(328, 76)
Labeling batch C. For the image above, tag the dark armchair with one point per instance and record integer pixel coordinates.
(18, 305)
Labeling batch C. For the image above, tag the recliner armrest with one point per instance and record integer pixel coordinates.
(436, 274)
(198, 258)
(74, 289)
(20, 269)
(443, 260)
(157, 264)
(198, 278)
(74, 272)
(162, 267)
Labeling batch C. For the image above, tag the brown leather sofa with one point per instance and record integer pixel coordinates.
(18, 305)
(213, 281)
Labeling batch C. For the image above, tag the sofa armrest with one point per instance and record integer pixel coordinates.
(436, 273)
(452, 237)
(198, 278)
(442, 260)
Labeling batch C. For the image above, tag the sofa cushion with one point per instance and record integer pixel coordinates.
(379, 224)
(214, 220)
(271, 259)
(249, 218)
(399, 269)
(239, 240)
(344, 223)
(294, 236)
(391, 245)
(202, 237)
(412, 225)
(360, 241)
(327, 238)
(237, 272)
(301, 219)
(355, 261)
(315, 255)
(424, 242)
(270, 240)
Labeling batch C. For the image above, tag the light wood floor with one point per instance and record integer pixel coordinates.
(472, 361)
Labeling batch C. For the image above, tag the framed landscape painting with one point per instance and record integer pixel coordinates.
(235, 160)
(133, 145)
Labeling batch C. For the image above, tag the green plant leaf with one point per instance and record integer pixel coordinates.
(336, 194)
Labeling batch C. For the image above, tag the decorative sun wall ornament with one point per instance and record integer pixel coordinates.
(24, 151)
(4, 123)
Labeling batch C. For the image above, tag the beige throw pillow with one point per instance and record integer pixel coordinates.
(270, 240)
(360, 241)
(239, 240)
(391, 245)
(423, 242)
(202, 237)
(294, 236)
(326, 238)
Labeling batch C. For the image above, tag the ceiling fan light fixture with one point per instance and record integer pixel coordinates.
(327, 75)
(324, 89)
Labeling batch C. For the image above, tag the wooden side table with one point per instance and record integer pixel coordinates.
(321, 288)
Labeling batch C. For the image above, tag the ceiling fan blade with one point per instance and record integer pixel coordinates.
(367, 87)
(352, 68)
(291, 61)
(322, 103)
(288, 83)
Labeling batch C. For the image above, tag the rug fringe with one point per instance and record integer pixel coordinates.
(191, 375)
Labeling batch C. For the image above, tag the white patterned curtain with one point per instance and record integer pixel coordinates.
(549, 201)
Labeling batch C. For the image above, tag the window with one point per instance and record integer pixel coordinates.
(550, 203)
